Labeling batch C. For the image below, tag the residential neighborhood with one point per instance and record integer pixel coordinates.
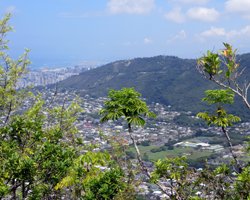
(159, 132)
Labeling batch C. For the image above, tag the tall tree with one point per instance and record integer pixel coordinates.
(223, 69)
(10, 73)
(127, 103)
(220, 117)
(39, 149)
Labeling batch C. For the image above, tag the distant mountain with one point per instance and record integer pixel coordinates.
(165, 79)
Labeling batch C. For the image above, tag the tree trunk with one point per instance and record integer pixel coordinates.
(8, 114)
(144, 169)
(23, 190)
(14, 188)
(231, 149)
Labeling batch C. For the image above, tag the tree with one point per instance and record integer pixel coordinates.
(11, 136)
(10, 72)
(242, 184)
(221, 118)
(127, 103)
(176, 171)
(107, 186)
(220, 183)
(223, 69)
(39, 149)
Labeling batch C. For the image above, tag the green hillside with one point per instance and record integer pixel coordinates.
(165, 79)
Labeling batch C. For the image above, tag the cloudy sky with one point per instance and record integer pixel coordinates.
(61, 32)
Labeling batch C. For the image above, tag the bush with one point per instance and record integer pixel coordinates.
(170, 147)
(155, 150)
(131, 154)
(145, 143)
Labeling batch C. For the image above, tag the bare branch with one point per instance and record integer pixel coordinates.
(244, 98)
(241, 72)
(145, 170)
(246, 89)
(239, 167)
(8, 113)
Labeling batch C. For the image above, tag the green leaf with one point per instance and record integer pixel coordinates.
(125, 103)
(219, 96)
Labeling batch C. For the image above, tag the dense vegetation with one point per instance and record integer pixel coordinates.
(42, 157)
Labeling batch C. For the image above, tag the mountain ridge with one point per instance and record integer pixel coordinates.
(164, 79)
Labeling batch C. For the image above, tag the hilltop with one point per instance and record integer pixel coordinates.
(165, 79)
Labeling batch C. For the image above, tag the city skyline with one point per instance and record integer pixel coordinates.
(65, 32)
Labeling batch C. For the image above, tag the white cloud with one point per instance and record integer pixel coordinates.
(228, 34)
(247, 16)
(239, 33)
(195, 13)
(175, 15)
(203, 14)
(246, 30)
(213, 31)
(130, 6)
(239, 6)
(182, 35)
(194, 1)
(147, 40)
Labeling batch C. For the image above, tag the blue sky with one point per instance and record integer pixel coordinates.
(65, 32)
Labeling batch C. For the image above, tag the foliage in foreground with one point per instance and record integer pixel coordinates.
(41, 156)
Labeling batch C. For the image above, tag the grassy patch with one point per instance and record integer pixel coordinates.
(189, 152)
